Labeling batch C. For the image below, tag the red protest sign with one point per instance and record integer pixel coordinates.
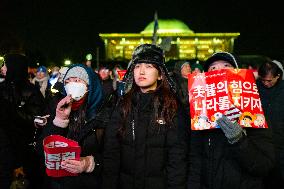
(121, 74)
(57, 149)
(232, 92)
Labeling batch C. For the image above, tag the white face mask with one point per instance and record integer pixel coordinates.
(76, 90)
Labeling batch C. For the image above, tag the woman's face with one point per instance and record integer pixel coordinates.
(146, 76)
(220, 64)
(269, 80)
(185, 70)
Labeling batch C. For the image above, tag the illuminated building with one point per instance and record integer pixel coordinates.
(184, 43)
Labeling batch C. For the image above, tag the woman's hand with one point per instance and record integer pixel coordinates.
(63, 108)
(85, 164)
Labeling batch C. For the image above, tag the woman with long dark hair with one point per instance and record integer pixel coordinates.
(145, 141)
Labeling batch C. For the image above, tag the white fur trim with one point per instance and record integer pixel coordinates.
(63, 123)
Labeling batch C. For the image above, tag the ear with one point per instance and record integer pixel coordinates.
(160, 78)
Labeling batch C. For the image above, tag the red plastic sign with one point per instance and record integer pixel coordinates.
(57, 149)
(232, 92)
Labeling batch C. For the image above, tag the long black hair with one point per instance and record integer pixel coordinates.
(165, 102)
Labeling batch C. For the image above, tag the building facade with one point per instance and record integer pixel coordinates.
(174, 36)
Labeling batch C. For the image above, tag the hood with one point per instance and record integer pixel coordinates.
(94, 91)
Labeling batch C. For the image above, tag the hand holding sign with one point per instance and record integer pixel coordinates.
(233, 131)
(228, 92)
(85, 164)
(58, 149)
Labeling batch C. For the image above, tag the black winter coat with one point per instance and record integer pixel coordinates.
(6, 161)
(91, 142)
(272, 103)
(217, 164)
(148, 156)
(19, 103)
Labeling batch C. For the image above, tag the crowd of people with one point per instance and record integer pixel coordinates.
(134, 132)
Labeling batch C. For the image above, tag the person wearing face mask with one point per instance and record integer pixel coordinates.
(271, 89)
(230, 157)
(75, 119)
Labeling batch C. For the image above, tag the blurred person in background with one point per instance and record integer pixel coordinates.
(20, 102)
(271, 89)
(41, 80)
(180, 76)
(106, 80)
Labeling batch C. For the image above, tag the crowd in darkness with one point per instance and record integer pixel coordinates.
(134, 130)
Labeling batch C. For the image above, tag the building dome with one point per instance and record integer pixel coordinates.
(168, 26)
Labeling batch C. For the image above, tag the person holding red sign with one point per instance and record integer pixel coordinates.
(230, 157)
(145, 142)
(271, 89)
(75, 120)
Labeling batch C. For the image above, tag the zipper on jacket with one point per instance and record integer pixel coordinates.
(133, 130)
(209, 142)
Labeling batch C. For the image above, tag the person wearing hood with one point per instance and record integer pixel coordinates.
(20, 101)
(230, 157)
(145, 141)
(180, 76)
(271, 90)
(75, 119)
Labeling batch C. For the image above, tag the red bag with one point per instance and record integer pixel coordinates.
(56, 149)
(232, 92)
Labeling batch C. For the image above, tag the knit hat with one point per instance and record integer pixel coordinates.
(280, 66)
(77, 71)
(41, 69)
(225, 56)
(146, 53)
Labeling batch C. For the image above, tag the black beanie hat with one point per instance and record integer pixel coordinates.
(228, 57)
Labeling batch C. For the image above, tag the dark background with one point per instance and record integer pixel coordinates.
(54, 30)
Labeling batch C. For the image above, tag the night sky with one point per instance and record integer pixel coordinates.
(53, 30)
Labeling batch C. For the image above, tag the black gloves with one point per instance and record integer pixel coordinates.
(233, 131)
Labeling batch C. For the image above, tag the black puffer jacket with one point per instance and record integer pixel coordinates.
(148, 156)
(217, 164)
